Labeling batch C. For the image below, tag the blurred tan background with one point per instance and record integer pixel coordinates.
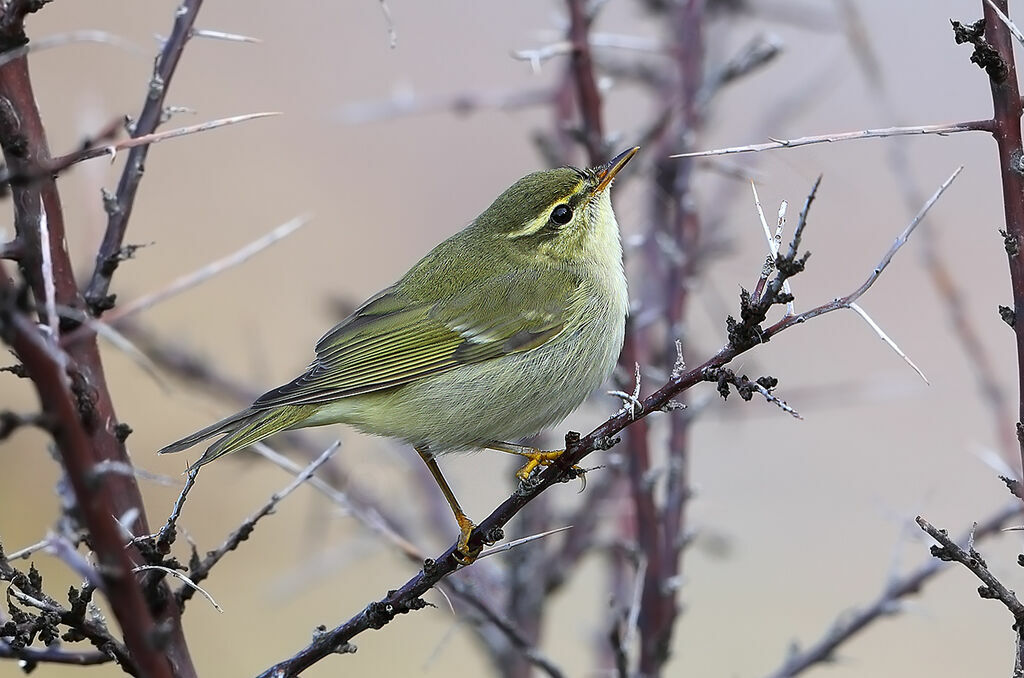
(800, 519)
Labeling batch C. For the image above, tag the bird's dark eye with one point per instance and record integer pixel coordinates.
(561, 215)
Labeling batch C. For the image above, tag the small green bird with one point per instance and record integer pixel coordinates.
(499, 332)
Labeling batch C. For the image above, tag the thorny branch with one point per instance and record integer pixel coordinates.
(672, 253)
(949, 551)
(119, 208)
(994, 53)
(200, 569)
(991, 39)
(92, 148)
(46, 365)
(916, 130)
(991, 587)
(17, 633)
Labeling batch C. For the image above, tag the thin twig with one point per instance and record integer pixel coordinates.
(972, 560)
(120, 208)
(777, 401)
(212, 269)
(116, 339)
(70, 38)
(389, 21)
(773, 247)
(61, 163)
(368, 516)
(201, 570)
(886, 604)
(508, 546)
(178, 575)
(507, 628)
(406, 102)
(853, 306)
(28, 550)
(1006, 20)
(190, 280)
(952, 128)
(905, 235)
(635, 606)
(222, 35)
(849, 300)
(157, 137)
(167, 534)
(756, 53)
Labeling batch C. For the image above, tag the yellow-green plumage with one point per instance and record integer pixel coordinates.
(499, 332)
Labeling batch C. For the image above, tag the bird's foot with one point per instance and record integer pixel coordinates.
(541, 459)
(463, 554)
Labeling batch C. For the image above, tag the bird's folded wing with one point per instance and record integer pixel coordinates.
(390, 341)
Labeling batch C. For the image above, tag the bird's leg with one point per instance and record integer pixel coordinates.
(534, 456)
(466, 526)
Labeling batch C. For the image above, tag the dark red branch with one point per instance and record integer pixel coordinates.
(589, 97)
(95, 504)
(120, 209)
(673, 219)
(1006, 114)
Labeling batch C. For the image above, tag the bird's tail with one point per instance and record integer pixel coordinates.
(242, 429)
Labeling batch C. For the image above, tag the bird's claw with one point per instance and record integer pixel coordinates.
(544, 459)
(463, 554)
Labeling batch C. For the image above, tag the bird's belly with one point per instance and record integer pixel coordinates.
(502, 399)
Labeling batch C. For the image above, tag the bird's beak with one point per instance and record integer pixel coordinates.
(607, 171)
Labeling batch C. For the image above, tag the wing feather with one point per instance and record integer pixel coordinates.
(391, 341)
